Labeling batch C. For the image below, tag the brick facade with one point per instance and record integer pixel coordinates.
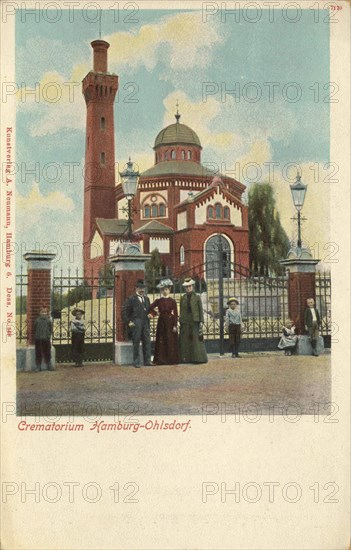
(39, 295)
(165, 191)
(124, 287)
(99, 89)
(39, 288)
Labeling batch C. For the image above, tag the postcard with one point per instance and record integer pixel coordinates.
(175, 291)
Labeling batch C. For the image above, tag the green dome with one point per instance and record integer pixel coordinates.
(177, 133)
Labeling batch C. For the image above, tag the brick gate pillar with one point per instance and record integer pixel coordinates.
(38, 295)
(301, 283)
(129, 266)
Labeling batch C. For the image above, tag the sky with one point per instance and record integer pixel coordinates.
(255, 92)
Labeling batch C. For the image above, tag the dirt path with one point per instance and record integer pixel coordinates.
(223, 384)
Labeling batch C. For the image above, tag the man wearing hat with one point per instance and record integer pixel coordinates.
(192, 347)
(78, 332)
(233, 324)
(136, 316)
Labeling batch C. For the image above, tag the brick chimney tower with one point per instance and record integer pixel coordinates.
(99, 89)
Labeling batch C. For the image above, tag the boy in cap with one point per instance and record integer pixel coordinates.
(78, 332)
(136, 316)
(233, 323)
(42, 337)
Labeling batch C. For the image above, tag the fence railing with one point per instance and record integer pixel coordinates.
(21, 307)
(263, 303)
(323, 301)
(92, 294)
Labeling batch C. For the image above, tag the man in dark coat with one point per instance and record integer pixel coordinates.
(136, 316)
(312, 324)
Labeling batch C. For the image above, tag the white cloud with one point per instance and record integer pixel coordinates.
(57, 105)
(40, 52)
(33, 208)
(201, 117)
(182, 35)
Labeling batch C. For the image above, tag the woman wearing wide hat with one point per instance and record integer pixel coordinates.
(166, 344)
(78, 332)
(192, 347)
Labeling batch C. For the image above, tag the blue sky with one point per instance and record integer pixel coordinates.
(164, 56)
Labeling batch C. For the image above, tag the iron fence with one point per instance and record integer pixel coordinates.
(263, 300)
(21, 307)
(96, 297)
(263, 304)
(92, 295)
(323, 302)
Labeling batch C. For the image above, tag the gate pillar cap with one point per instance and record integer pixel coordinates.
(300, 259)
(39, 259)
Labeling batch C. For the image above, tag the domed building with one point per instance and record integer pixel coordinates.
(181, 206)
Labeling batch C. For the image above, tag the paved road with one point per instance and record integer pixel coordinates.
(224, 384)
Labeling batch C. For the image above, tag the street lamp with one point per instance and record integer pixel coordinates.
(298, 191)
(129, 179)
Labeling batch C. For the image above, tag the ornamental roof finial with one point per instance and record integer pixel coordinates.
(177, 115)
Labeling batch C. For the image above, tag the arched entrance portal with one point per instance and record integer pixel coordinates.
(218, 255)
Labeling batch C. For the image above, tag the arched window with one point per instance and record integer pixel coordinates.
(154, 211)
(189, 155)
(182, 255)
(183, 155)
(210, 212)
(173, 155)
(218, 256)
(162, 210)
(102, 158)
(218, 211)
(102, 123)
(147, 211)
(226, 213)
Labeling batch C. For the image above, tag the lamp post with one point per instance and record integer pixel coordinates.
(298, 191)
(220, 294)
(129, 179)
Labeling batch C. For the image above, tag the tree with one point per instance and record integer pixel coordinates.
(154, 270)
(79, 293)
(268, 241)
(21, 304)
(106, 276)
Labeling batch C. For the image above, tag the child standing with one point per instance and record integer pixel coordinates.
(288, 340)
(42, 336)
(233, 323)
(78, 332)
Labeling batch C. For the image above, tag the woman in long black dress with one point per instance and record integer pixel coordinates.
(166, 345)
